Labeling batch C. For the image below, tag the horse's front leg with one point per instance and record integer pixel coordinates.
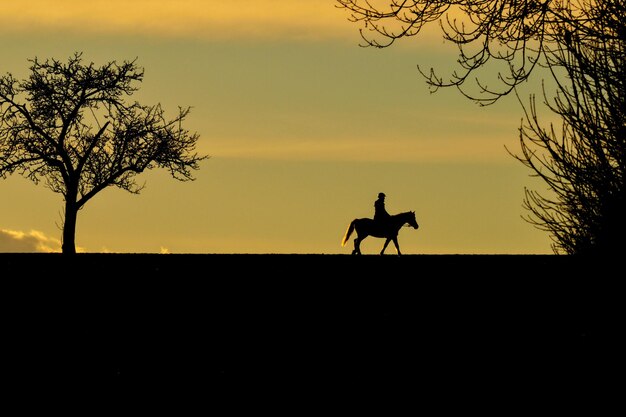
(385, 246)
(395, 242)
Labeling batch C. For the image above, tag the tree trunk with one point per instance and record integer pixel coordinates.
(69, 226)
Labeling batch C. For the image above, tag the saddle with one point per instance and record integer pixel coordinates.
(381, 224)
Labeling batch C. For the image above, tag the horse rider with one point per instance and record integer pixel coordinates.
(380, 213)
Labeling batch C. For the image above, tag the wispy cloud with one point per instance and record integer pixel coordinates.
(211, 19)
(456, 149)
(23, 242)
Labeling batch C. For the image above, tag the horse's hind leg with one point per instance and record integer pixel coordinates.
(385, 246)
(357, 246)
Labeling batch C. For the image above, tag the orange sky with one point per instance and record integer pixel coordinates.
(303, 127)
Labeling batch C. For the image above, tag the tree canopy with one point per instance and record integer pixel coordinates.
(515, 35)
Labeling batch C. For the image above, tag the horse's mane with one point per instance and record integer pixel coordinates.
(405, 216)
(404, 213)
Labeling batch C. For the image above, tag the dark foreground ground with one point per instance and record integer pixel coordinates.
(434, 328)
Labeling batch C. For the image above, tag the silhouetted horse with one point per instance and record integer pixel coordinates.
(388, 229)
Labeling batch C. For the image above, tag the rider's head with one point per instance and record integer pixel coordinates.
(381, 195)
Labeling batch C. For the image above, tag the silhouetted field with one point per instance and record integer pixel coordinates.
(309, 320)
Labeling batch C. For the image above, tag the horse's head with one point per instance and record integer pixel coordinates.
(410, 219)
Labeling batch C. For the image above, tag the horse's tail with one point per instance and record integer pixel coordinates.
(348, 233)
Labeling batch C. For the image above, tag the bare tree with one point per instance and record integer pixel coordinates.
(69, 124)
(581, 43)
(585, 163)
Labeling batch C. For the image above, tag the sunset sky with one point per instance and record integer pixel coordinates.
(303, 128)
